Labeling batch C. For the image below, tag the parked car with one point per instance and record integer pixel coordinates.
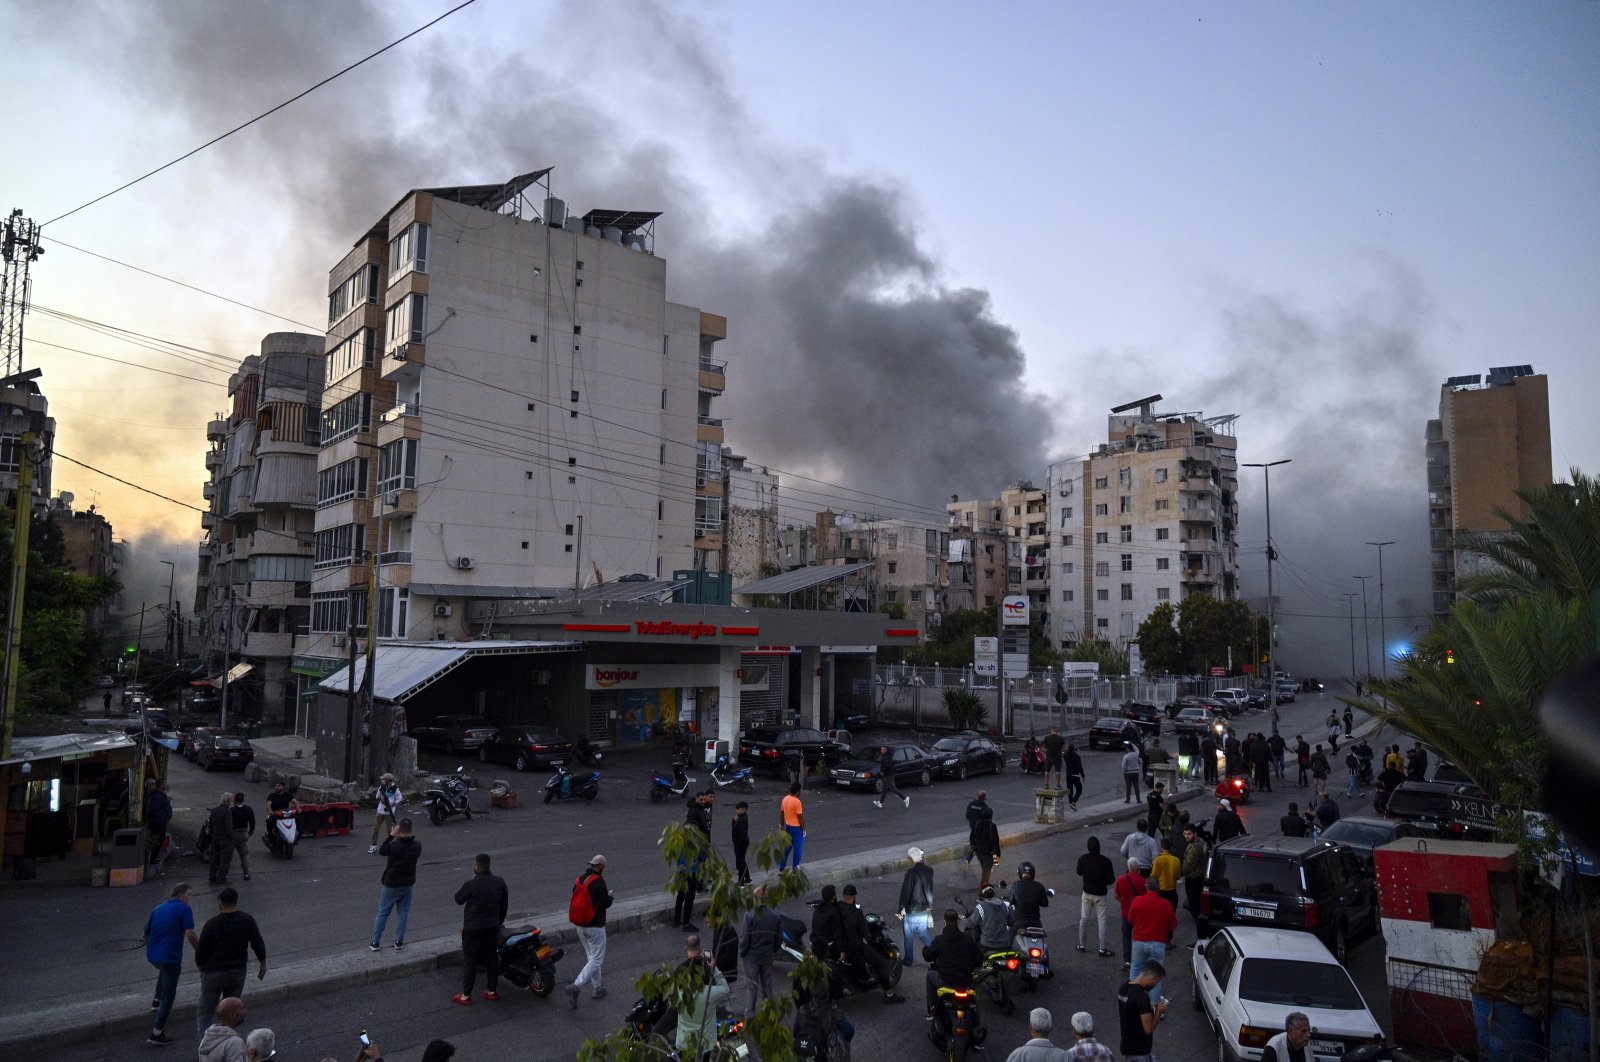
(1247, 980)
(1256, 697)
(1198, 718)
(1287, 689)
(1445, 771)
(864, 770)
(132, 690)
(1291, 883)
(1107, 731)
(960, 755)
(205, 698)
(525, 747)
(1146, 716)
(1426, 806)
(1234, 699)
(768, 746)
(1361, 834)
(452, 733)
(157, 721)
(189, 738)
(106, 682)
(223, 750)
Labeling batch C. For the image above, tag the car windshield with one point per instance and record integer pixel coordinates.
(1357, 833)
(1192, 713)
(1293, 983)
(1110, 724)
(1247, 874)
(768, 736)
(949, 744)
(231, 743)
(867, 752)
(1417, 802)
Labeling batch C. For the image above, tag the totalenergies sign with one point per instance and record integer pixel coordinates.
(1014, 610)
(691, 631)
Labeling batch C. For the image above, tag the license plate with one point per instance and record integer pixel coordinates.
(844, 782)
(1256, 912)
(1035, 969)
(1327, 1047)
(737, 1049)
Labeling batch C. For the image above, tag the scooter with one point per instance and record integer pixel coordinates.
(662, 787)
(1034, 946)
(1000, 972)
(740, 781)
(957, 1026)
(564, 785)
(447, 797)
(1031, 760)
(527, 961)
(587, 754)
(282, 834)
(1234, 787)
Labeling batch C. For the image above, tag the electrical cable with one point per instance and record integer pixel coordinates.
(127, 482)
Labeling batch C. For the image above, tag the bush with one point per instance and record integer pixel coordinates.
(967, 711)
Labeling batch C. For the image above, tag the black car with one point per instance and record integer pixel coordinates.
(1108, 732)
(1256, 697)
(863, 770)
(525, 747)
(452, 733)
(967, 753)
(1146, 716)
(1291, 883)
(1361, 835)
(220, 750)
(1426, 807)
(769, 746)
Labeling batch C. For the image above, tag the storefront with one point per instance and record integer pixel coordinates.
(66, 792)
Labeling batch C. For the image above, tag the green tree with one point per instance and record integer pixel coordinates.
(1159, 644)
(1112, 659)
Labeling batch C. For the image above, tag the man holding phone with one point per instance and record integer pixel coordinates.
(1140, 1014)
(485, 900)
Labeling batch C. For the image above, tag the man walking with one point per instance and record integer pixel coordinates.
(1074, 764)
(222, 953)
(1165, 872)
(1302, 755)
(792, 816)
(244, 828)
(1039, 1048)
(1140, 1013)
(484, 900)
(1087, 1048)
(741, 840)
(220, 827)
(1208, 758)
(697, 816)
(1194, 875)
(1141, 847)
(977, 808)
(1098, 876)
(916, 904)
(985, 842)
(758, 947)
(1154, 923)
(587, 912)
(401, 852)
(1352, 764)
(1228, 823)
(157, 816)
(1277, 746)
(389, 799)
(1155, 803)
(1053, 744)
(886, 776)
(1132, 768)
(169, 925)
(1130, 887)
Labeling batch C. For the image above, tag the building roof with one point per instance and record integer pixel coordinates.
(802, 578)
(488, 196)
(616, 590)
(405, 668)
(626, 220)
(65, 746)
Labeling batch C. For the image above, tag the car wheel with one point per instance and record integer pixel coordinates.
(1000, 763)
(961, 771)
(483, 755)
(926, 778)
(450, 746)
(1341, 944)
(522, 762)
(1223, 1052)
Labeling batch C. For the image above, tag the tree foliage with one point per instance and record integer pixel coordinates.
(950, 643)
(967, 711)
(1159, 645)
(1113, 660)
(1199, 634)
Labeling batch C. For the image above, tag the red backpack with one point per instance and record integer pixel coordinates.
(581, 911)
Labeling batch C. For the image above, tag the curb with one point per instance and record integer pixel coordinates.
(128, 1015)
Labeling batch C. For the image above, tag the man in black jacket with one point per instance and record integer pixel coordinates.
(916, 904)
(886, 776)
(977, 809)
(741, 840)
(1228, 824)
(244, 828)
(1074, 767)
(401, 852)
(827, 925)
(1292, 824)
(1098, 877)
(1027, 899)
(484, 900)
(697, 815)
(953, 959)
(853, 922)
(220, 826)
(222, 953)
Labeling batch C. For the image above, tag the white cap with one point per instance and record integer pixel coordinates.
(598, 861)
(914, 853)
(1227, 803)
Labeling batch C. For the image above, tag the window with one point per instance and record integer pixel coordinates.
(707, 463)
(393, 604)
(1127, 591)
(346, 418)
(330, 613)
(894, 543)
(1161, 475)
(1066, 595)
(1066, 514)
(1127, 562)
(1102, 538)
(280, 568)
(1102, 595)
(1066, 540)
(1101, 509)
(1102, 623)
(1124, 504)
(352, 354)
(1163, 594)
(1101, 482)
(893, 566)
(339, 545)
(1016, 510)
(707, 516)
(1102, 567)
(1066, 567)
(397, 466)
(1162, 563)
(358, 289)
(1125, 477)
(891, 595)
(1125, 533)
(347, 479)
(408, 252)
(407, 321)
(1161, 504)
(1162, 534)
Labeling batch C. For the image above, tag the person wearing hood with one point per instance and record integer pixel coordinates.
(1098, 876)
(221, 1042)
(1228, 823)
(992, 920)
(952, 959)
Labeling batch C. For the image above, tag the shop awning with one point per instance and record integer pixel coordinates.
(65, 746)
(405, 668)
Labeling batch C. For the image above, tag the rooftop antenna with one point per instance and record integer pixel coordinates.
(19, 246)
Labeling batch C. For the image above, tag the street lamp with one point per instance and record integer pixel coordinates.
(1272, 629)
(1350, 608)
(172, 574)
(1366, 629)
(1383, 629)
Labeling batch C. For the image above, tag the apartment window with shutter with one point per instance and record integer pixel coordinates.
(1127, 591)
(1102, 567)
(1102, 595)
(1127, 562)
(1161, 504)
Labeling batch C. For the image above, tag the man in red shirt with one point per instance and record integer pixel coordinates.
(1154, 922)
(1130, 887)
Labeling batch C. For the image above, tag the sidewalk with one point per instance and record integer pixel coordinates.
(122, 1012)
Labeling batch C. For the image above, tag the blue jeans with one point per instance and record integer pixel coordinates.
(797, 845)
(1354, 788)
(1277, 765)
(395, 898)
(1144, 950)
(917, 926)
(166, 990)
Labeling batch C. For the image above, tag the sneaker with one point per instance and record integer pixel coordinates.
(572, 997)
(1105, 953)
(890, 997)
(400, 945)
(599, 993)
(247, 877)
(1079, 947)
(374, 946)
(877, 803)
(1127, 966)
(159, 1039)
(462, 998)
(372, 849)
(908, 803)
(690, 927)
(1072, 806)
(155, 1004)
(488, 996)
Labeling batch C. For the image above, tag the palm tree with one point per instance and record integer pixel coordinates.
(1557, 548)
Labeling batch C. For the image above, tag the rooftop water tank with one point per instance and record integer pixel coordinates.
(555, 212)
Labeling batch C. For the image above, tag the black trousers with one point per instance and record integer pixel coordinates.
(1074, 788)
(1210, 765)
(480, 947)
(739, 864)
(1193, 887)
(683, 906)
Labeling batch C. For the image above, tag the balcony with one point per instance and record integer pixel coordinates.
(713, 376)
(395, 556)
(409, 408)
(216, 430)
(208, 490)
(709, 430)
(214, 459)
(402, 356)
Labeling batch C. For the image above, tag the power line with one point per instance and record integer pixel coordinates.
(127, 483)
(259, 117)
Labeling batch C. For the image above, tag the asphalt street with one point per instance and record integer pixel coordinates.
(320, 904)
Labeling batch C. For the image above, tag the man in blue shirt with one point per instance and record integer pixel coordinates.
(168, 926)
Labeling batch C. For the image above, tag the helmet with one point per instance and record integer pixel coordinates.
(1025, 870)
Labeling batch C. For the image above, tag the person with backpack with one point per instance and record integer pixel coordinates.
(697, 1022)
(587, 912)
(821, 1032)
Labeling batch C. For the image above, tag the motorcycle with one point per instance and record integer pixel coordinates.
(655, 1023)
(1031, 761)
(957, 1026)
(527, 961)
(857, 978)
(1034, 947)
(740, 781)
(1235, 787)
(587, 754)
(564, 785)
(662, 787)
(447, 797)
(1000, 976)
(282, 834)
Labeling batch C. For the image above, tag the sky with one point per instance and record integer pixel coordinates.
(946, 245)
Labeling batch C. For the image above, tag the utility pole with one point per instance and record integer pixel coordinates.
(1272, 623)
(227, 663)
(19, 247)
(172, 575)
(1350, 607)
(1383, 626)
(1366, 630)
(367, 681)
(22, 523)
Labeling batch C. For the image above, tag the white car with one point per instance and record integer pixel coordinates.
(1233, 698)
(1248, 979)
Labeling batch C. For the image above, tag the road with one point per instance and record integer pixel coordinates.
(320, 904)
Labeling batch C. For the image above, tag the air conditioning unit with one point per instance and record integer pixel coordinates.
(392, 499)
(442, 609)
(338, 641)
(465, 563)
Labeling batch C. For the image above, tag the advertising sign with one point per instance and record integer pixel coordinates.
(986, 656)
(1014, 610)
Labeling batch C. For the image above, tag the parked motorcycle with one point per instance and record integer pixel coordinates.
(564, 785)
(447, 797)
(282, 834)
(742, 780)
(527, 961)
(957, 1026)
(662, 787)
(587, 754)
(1032, 758)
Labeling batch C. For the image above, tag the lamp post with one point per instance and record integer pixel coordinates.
(1350, 609)
(172, 574)
(1272, 628)
(1383, 627)
(1366, 629)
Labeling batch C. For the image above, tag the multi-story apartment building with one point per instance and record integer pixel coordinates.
(1025, 510)
(906, 558)
(252, 585)
(982, 555)
(1151, 516)
(1491, 440)
(24, 408)
(513, 409)
(89, 548)
(750, 540)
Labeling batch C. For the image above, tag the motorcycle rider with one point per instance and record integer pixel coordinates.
(853, 923)
(991, 921)
(1027, 897)
(827, 924)
(953, 958)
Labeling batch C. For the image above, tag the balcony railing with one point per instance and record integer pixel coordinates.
(711, 422)
(410, 408)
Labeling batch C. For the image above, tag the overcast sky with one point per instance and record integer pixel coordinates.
(947, 243)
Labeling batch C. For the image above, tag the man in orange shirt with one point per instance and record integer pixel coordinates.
(793, 816)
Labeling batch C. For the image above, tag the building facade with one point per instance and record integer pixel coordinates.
(1150, 517)
(751, 539)
(90, 549)
(1491, 440)
(253, 578)
(906, 564)
(24, 408)
(982, 555)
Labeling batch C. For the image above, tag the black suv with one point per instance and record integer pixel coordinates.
(1426, 807)
(1291, 883)
(1147, 717)
(770, 746)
